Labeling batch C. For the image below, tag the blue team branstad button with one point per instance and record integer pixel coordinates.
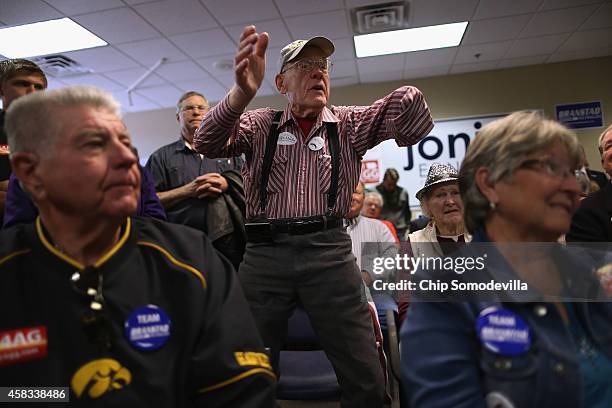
(503, 331)
(148, 328)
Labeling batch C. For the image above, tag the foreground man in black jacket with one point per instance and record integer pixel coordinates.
(123, 311)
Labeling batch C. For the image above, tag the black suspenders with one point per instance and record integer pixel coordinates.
(271, 141)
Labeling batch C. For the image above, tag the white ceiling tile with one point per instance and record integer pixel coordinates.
(495, 29)
(602, 18)
(127, 77)
(526, 47)
(278, 34)
(226, 80)
(430, 58)
(219, 65)
(380, 76)
(426, 72)
(204, 43)
(230, 12)
(102, 59)
(385, 63)
(54, 83)
(211, 89)
(344, 69)
(148, 52)
(557, 21)
(290, 8)
(15, 12)
(345, 49)
(558, 4)
(117, 25)
(331, 25)
(272, 56)
(138, 103)
(432, 12)
(580, 54)
(588, 39)
(517, 62)
(176, 16)
(497, 8)
(181, 71)
(478, 66)
(98, 81)
(132, 2)
(488, 52)
(166, 96)
(72, 7)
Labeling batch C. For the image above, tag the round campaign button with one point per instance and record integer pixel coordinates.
(503, 332)
(286, 139)
(316, 143)
(148, 327)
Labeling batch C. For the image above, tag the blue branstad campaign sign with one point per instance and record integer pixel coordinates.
(580, 115)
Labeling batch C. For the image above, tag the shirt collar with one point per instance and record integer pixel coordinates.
(326, 115)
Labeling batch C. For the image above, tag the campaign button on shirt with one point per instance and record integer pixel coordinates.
(286, 139)
(148, 328)
(316, 143)
(503, 332)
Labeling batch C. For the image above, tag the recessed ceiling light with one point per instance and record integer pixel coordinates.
(411, 39)
(46, 37)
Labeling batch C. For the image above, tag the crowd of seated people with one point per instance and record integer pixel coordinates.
(171, 284)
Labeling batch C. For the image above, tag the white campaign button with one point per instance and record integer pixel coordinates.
(316, 143)
(286, 138)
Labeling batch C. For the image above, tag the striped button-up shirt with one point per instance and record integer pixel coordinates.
(300, 177)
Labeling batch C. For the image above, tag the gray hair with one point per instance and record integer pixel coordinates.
(26, 135)
(601, 137)
(376, 195)
(179, 104)
(501, 146)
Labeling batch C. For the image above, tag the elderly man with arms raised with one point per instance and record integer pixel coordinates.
(125, 311)
(537, 344)
(302, 165)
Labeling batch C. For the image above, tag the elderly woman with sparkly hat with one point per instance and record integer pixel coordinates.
(544, 342)
(441, 202)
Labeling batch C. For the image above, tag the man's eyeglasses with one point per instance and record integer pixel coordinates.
(193, 108)
(549, 166)
(95, 322)
(308, 64)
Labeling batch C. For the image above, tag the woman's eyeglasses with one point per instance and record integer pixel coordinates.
(94, 322)
(549, 166)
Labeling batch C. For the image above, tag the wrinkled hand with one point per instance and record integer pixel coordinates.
(210, 185)
(249, 67)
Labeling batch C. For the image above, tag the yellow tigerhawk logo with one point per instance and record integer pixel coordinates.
(99, 377)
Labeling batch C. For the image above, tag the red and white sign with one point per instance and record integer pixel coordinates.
(370, 171)
(27, 343)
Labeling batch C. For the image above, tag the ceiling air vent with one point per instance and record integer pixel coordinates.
(60, 66)
(380, 17)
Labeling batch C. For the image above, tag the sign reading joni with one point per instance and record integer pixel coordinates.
(446, 143)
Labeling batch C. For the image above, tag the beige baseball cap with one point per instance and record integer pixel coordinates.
(292, 50)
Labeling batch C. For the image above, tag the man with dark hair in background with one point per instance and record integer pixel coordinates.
(18, 77)
(592, 222)
(396, 206)
(206, 194)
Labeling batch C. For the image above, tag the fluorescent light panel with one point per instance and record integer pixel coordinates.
(411, 39)
(46, 37)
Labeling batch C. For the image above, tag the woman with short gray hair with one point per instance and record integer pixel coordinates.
(514, 347)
